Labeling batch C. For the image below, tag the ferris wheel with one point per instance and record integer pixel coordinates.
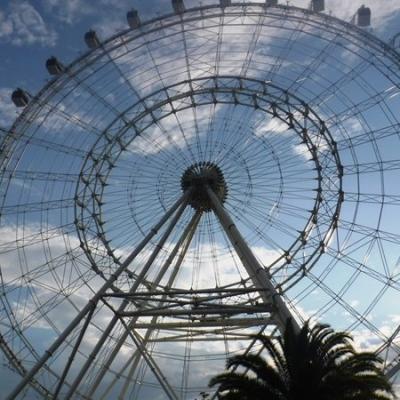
(190, 181)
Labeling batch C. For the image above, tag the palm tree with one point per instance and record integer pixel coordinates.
(315, 364)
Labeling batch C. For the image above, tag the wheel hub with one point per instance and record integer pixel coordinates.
(197, 177)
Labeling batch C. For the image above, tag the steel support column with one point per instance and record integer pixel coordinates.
(106, 333)
(257, 273)
(131, 324)
(74, 351)
(189, 233)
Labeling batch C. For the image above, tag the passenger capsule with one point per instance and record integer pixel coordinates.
(53, 66)
(364, 16)
(178, 6)
(20, 98)
(225, 3)
(133, 19)
(318, 5)
(92, 40)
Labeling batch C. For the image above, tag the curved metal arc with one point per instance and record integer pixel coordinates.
(17, 366)
(280, 11)
(263, 89)
(204, 12)
(265, 85)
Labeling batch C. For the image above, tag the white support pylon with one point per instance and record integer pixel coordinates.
(257, 273)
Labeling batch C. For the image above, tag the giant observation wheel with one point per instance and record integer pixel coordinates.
(194, 179)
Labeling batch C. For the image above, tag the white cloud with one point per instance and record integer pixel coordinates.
(106, 28)
(8, 112)
(23, 25)
(69, 11)
(302, 151)
(6, 26)
(108, 13)
(34, 243)
(175, 139)
(273, 125)
(382, 10)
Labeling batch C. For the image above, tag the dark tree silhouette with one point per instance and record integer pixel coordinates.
(315, 364)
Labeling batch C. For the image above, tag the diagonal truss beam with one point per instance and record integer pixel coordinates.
(186, 241)
(191, 227)
(151, 363)
(258, 274)
(107, 331)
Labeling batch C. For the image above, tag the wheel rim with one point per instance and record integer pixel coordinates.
(63, 200)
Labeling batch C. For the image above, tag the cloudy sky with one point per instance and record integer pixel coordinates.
(32, 31)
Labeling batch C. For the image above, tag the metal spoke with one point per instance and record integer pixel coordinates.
(263, 139)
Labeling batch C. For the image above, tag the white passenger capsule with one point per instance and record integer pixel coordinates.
(133, 19)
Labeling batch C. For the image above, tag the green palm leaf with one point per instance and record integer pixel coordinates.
(315, 364)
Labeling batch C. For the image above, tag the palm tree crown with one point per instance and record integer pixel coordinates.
(314, 364)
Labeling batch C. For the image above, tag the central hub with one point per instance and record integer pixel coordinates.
(197, 177)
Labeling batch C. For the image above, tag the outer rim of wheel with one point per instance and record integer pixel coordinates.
(371, 39)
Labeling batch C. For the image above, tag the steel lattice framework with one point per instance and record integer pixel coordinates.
(189, 182)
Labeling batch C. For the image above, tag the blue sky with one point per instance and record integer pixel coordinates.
(32, 31)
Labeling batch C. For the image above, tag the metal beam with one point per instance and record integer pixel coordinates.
(131, 294)
(188, 236)
(74, 351)
(221, 334)
(107, 331)
(184, 339)
(214, 309)
(393, 369)
(202, 337)
(175, 292)
(257, 273)
(206, 323)
(151, 363)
